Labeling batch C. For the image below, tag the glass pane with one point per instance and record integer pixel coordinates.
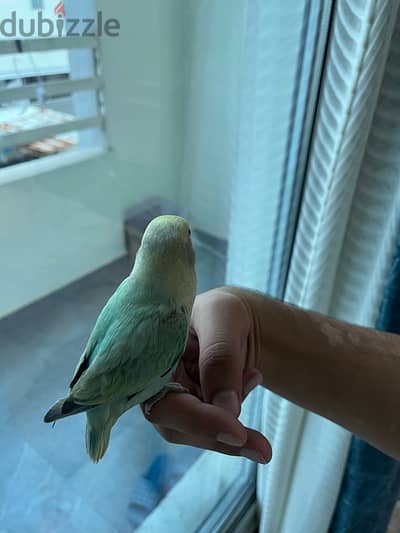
(46, 104)
(31, 91)
(180, 136)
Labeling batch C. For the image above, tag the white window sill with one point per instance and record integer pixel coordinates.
(30, 169)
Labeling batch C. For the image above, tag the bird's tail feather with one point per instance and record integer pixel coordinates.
(97, 439)
(64, 407)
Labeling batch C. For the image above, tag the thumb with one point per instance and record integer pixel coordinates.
(222, 333)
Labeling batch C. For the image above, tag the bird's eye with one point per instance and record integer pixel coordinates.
(189, 232)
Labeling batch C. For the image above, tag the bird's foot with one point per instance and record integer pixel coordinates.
(169, 387)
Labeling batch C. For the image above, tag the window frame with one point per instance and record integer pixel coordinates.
(85, 76)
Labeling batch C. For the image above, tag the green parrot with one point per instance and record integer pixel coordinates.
(139, 336)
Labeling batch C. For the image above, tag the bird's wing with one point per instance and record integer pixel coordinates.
(82, 366)
(119, 300)
(134, 351)
(103, 323)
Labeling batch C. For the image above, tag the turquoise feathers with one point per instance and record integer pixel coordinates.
(139, 336)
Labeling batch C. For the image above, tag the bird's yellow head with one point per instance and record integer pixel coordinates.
(168, 235)
(165, 262)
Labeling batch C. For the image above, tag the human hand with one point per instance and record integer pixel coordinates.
(219, 369)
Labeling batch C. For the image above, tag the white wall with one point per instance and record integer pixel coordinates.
(213, 37)
(60, 225)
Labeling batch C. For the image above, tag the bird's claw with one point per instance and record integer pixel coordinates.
(169, 387)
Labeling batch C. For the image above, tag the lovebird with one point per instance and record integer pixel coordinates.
(138, 338)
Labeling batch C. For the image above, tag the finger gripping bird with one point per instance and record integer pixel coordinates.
(139, 336)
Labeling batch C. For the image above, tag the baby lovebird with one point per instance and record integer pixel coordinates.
(139, 336)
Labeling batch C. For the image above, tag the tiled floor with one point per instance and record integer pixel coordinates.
(47, 483)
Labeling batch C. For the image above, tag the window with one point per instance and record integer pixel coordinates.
(50, 92)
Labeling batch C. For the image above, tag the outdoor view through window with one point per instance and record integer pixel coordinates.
(48, 92)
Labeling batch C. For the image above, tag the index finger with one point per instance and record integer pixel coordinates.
(188, 414)
(194, 423)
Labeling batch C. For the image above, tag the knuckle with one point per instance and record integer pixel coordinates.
(215, 354)
(217, 349)
(232, 304)
(221, 300)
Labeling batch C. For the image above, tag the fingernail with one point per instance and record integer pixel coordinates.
(231, 440)
(253, 456)
(256, 380)
(228, 400)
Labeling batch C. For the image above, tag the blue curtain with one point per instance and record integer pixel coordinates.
(371, 483)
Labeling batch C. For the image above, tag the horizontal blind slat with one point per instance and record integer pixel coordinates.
(26, 137)
(44, 45)
(53, 88)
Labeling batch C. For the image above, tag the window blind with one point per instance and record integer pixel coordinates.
(51, 89)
